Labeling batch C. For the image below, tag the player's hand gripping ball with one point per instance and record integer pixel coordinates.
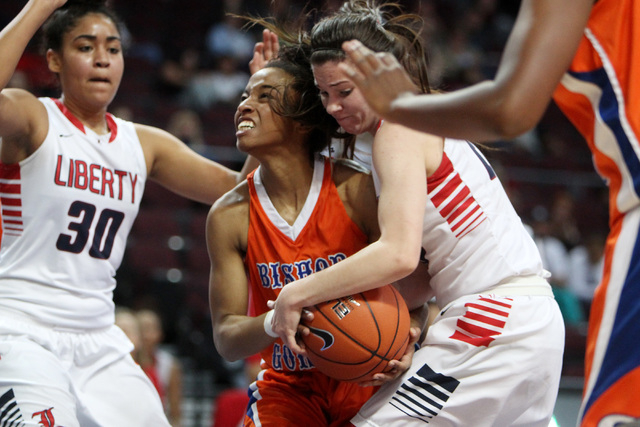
(354, 337)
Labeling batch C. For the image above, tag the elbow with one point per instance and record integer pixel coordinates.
(513, 114)
(226, 343)
(510, 124)
(403, 263)
(226, 351)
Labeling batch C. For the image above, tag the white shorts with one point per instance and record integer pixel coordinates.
(71, 379)
(487, 360)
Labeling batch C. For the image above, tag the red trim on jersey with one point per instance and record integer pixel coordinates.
(111, 123)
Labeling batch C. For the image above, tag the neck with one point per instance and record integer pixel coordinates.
(287, 184)
(93, 119)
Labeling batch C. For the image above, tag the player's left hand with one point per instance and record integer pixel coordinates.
(395, 368)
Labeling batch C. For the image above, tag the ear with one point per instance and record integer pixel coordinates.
(54, 61)
(304, 129)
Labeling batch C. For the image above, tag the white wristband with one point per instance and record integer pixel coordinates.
(267, 324)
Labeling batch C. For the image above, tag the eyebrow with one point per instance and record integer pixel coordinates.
(93, 38)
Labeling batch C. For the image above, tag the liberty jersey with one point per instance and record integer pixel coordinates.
(279, 253)
(67, 211)
(472, 237)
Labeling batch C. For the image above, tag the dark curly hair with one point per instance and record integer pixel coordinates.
(380, 26)
(300, 100)
(67, 16)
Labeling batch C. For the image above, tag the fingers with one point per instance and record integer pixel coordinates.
(271, 44)
(293, 344)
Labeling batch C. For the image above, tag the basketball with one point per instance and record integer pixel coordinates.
(354, 337)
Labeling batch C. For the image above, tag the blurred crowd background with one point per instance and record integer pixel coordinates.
(185, 67)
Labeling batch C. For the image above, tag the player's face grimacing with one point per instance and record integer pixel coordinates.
(257, 125)
(343, 100)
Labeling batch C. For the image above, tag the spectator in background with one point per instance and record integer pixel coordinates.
(586, 263)
(563, 221)
(227, 38)
(186, 125)
(160, 365)
(555, 259)
(176, 71)
(127, 321)
(221, 85)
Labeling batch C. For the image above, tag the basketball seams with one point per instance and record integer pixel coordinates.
(352, 337)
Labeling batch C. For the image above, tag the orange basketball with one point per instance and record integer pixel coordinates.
(354, 337)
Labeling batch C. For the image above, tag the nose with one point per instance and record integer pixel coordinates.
(243, 108)
(245, 105)
(333, 106)
(102, 58)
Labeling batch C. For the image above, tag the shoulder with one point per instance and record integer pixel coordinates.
(394, 140)
(228, 220)
(395, 132)
(151, 134)
(231, 208)
(24, 123)
(354, 184)
(357, 192)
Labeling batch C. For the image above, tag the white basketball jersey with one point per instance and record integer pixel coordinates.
(67, 211)
(472, 237)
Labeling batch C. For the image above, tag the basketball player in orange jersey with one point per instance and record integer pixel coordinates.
(586, 54)
(296, 214)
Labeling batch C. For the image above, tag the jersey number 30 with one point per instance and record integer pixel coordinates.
(108, 224)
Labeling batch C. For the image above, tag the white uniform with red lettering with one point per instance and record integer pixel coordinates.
(493, 355)
(67, 211)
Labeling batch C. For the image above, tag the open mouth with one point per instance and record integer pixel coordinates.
(246, 125)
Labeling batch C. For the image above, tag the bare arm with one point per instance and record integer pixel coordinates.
(402, 173)
(539, 50)
(177, 167)
(23, 120)
(15, 36)
(236, 335)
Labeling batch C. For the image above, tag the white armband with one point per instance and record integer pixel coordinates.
(267, 324)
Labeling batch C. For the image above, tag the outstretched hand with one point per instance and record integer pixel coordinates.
(395, 368)
(264, 51)
(379, 76)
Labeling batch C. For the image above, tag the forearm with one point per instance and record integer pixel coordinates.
(374, 266)
(481, 113)
(15, 37)
(538, 52)
(238, 337)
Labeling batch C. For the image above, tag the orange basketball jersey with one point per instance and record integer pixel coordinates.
(600, 94)
(279, 253)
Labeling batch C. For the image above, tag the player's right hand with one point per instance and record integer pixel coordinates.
(379, 76)
(395, 368)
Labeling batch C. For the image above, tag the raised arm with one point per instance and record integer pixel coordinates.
(264, 51)
(23, 121)
(539, 50)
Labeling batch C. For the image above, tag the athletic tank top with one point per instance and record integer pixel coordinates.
(600, 95)
(67, 211)
(279, 253)
(472, 236)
